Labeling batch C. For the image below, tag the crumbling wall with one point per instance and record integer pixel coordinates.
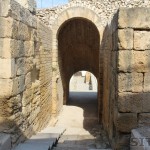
(105, 9)
(25, 72)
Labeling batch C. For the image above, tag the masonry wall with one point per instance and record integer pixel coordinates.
(25, 72)
(105, 9)
(126, 66)
(133, 69)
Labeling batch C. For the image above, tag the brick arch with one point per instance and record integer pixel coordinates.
(68, 14)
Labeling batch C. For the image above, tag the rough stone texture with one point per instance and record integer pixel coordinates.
(8, 68)
(147, 82)
(126, 122)
(137, 18)
(26, 72)
(29, 4)
(134, 102)
(130, 82)
(144, 119)
(138, 61)
(141, 40)
(125, 39)
(37, 74)
(134, 68)
(104, 9)
(130, 102)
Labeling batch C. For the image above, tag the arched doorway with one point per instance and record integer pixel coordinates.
(78, 49)
(76, 46)
(79, 23)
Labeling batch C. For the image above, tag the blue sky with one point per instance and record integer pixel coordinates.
(50, 3)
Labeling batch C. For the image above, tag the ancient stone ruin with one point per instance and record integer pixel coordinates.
(40, 50)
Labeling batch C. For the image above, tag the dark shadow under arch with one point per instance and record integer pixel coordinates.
(78, 49)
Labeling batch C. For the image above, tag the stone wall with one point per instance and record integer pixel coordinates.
(25, 72)
(105, 9)
(133, 69)
(126, 66)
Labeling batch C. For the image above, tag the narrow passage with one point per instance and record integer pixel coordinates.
(79, 117)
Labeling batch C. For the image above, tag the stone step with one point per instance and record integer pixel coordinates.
(68, 148)
(33, 146)
(5, 141)
(76, 148)
(71, 145)
(57, 130)
(40, 141)
(43, 140)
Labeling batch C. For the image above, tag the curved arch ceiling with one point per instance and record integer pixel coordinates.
(78, 47)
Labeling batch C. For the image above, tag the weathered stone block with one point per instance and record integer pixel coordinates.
(125, 61)
(10, 48)
(146, 102)
(4, 7)
(7, 91)
(134, 102)
(24, 65)
(134, 18)
(29, 48)
(134, 61)
(144, 119)
(6, 25)
(147, 82)
(21, 70)
(141, 40)
(130, 82)
(141, 61)
(8, 68)
(29, 64)
(130, 102)
(122, 141)
(126, 122)
(125, 39)
(24, 32)
(18, 85)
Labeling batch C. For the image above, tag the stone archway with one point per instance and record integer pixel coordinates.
(81, 15)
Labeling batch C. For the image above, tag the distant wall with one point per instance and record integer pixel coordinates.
(105, 9)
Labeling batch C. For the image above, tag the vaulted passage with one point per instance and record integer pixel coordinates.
(83, 94)
(78, 49)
